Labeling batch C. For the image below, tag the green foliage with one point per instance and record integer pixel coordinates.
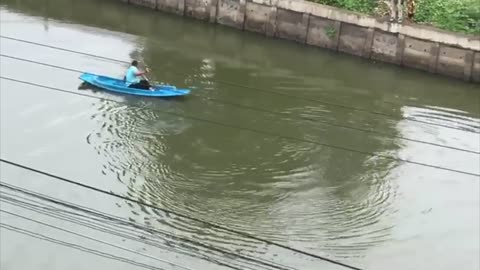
(454, 15)
(330, 31)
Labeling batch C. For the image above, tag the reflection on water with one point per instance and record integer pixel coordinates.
(275, 188)
(444, 116)
(125, 130)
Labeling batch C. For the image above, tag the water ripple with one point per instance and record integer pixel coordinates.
(291, 190)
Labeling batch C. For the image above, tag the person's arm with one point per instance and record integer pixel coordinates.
(139, 73)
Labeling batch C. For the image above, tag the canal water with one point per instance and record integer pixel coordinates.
(322, 157)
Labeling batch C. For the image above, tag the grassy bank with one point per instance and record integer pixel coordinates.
(455, 15)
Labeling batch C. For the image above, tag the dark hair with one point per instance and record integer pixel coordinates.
(134, 63)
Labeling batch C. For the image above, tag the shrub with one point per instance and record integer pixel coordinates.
(454, 15)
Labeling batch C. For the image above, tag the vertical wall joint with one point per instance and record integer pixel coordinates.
(434, 52)
(243, 12)
(367, 48)
(468, 70)
(213, 10)
(400, 49)
(271, 27)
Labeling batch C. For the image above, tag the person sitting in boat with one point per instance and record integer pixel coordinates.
(133, 77)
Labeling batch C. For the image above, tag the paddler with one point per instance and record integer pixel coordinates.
(133, 77)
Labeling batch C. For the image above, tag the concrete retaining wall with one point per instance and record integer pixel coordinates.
(476, 67)
(231, 13)
(413, 46)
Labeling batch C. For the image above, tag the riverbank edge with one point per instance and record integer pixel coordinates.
(409, 45)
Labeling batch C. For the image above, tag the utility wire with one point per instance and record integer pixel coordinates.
(63, 49)
(244, 234)
(117, 231)
(253, 130)
(113, 231)
(107, 218)
(96, 240)
(75, 246)
(252, 108)
(254, 88)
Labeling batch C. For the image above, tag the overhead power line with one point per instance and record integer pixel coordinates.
(252, 108)
(76, 246)
(253, 130)
(94, 239)
(122, 227)
(213, 225)
(318, 101)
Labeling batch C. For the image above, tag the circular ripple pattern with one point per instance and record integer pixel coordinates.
(277, 189)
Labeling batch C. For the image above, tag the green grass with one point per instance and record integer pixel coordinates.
(461, 16)
(455, 15)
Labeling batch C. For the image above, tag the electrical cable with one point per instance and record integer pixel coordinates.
(253, 130)
(252, 108)
(252, 88)
(8, 227)
(244, 234)
(75, 246)
(212, 122)
(96, 240)
(125, 235)
(117, 221)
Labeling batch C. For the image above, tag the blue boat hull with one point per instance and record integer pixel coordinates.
(119, 86)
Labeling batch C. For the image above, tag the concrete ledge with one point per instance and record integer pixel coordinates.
(415, 31)
(414, 46)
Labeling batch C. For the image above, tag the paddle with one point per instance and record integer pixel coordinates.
(147, 70)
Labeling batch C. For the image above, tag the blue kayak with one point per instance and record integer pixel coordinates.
(119, 86)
